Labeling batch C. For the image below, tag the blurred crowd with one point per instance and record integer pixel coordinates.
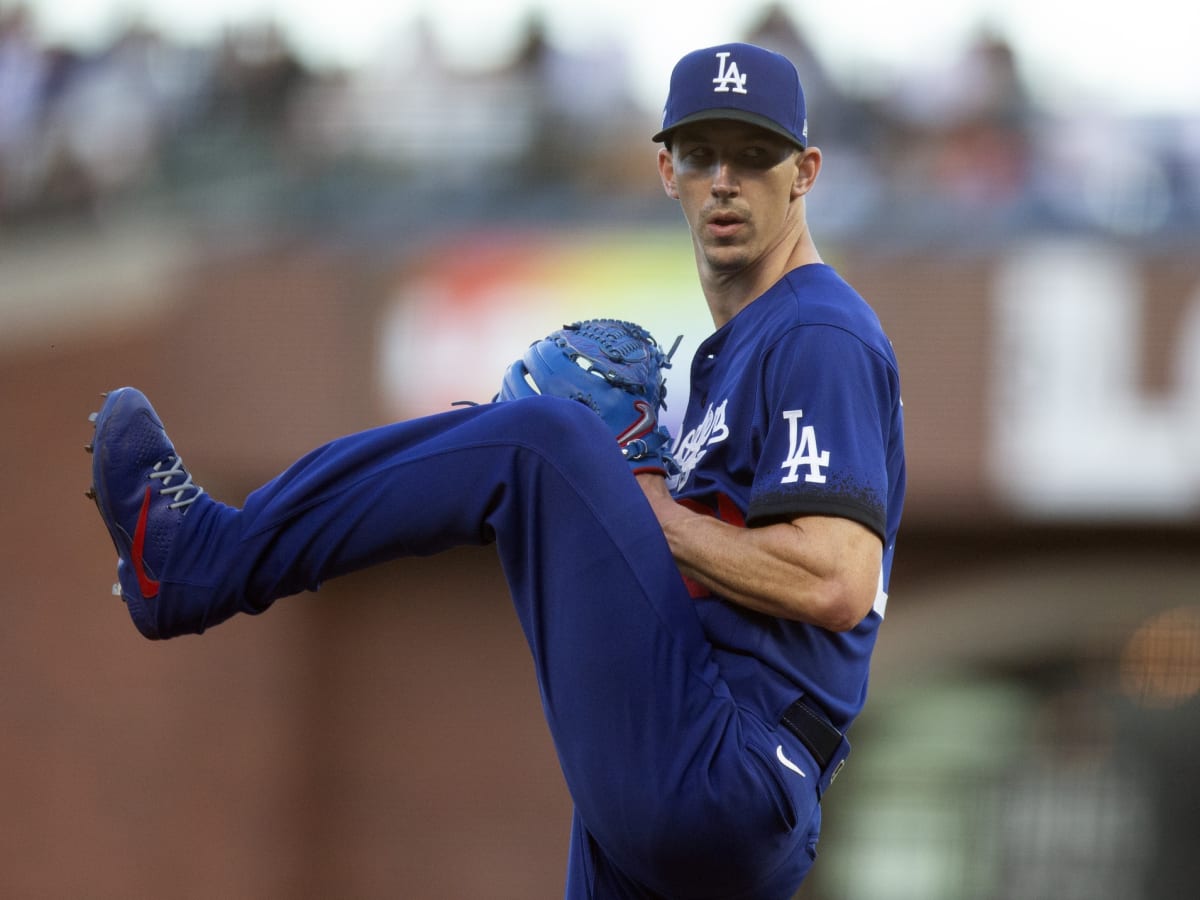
(245, 123)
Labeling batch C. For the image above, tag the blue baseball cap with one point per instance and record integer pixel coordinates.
(740, 82)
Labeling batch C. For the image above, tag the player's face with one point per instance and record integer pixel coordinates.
(737, 184)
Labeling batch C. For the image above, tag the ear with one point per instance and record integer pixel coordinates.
(666, 171)
(808, 166)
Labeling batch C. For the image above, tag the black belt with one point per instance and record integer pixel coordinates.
(814, 730)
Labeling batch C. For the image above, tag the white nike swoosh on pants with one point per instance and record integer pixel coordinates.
(779, 754)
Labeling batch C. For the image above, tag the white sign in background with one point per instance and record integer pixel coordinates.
(1073, 433)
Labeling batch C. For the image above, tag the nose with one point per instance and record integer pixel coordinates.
(724, 182)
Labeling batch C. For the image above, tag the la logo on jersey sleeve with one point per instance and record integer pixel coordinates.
(803, 452)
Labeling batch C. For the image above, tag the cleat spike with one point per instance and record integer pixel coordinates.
(90, 493)
(90, 448)
(93, 417)
(116, 590)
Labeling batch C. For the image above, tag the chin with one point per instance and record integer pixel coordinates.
(727, 261)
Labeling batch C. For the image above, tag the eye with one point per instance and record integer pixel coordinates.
(695, 157)
(761, 157)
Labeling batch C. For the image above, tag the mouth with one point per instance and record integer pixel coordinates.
(722, 225)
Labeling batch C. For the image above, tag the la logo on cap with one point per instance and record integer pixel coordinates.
(776, 103)
(728, 79)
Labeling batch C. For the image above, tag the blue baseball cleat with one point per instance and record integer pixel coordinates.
(143, 492)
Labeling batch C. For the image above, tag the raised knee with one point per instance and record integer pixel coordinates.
(558, 426)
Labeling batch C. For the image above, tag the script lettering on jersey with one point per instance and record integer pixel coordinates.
(728, 77)
(692, 446)
(802, 451)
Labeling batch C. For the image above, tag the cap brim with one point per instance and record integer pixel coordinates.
(736, 115)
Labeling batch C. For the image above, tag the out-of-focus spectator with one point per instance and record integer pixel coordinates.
(23, 73)
(834, 115)
(985, 151)
(256, 77)
(580, 99)
(961, 134)
(962, 144)
(106, 122)
(839, 122)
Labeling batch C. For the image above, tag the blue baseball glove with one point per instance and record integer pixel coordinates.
(613, 367)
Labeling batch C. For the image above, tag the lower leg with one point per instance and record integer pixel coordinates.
(407, 489)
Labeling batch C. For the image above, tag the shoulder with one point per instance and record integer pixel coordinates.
(813, 300)
(821, 296)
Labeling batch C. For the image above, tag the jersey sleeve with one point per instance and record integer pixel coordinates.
(827, 399)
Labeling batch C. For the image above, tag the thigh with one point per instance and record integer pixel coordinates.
(677, 787)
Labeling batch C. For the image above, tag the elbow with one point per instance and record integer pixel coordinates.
(841, 618)
(842, 608)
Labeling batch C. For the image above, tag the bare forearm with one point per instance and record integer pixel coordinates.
(816, 571)
(734, 563)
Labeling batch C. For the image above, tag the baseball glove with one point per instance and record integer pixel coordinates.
(613, 367)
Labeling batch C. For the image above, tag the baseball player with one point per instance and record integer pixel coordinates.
(701, 613)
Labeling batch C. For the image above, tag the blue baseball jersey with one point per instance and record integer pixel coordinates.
(795, 410)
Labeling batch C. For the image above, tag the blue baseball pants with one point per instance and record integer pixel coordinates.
(675, 782)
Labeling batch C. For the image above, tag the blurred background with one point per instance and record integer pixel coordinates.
(286, 226)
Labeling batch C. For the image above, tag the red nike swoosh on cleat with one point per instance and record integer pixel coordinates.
(147, 584)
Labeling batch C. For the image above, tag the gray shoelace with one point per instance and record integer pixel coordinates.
(176, 490)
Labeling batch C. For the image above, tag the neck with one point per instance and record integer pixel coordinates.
(729, 292)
